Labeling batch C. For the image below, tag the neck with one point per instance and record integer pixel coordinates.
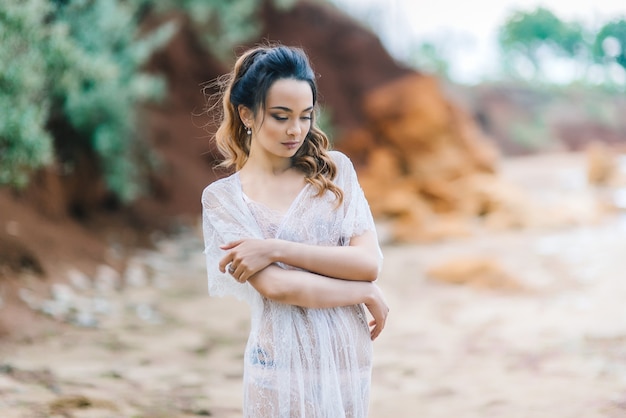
(263, 165)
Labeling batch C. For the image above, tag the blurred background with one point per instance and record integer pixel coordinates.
(490, 140)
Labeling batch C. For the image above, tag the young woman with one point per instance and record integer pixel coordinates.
(291, 233)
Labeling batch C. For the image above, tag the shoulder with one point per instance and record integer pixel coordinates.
(345, 168)
(339, 158)
(343, 162)
(219, 188)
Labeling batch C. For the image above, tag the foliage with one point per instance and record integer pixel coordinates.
(540, 39)
(24, 142)
(223, 25)
(610, 43)
(102, 86)
(76, 61)
(527, 33)
(79, 62)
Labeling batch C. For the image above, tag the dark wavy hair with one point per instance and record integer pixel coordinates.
(253, 74)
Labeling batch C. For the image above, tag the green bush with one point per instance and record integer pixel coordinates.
(77, 61)
(101, 84)
(222, 24)
(24, 103)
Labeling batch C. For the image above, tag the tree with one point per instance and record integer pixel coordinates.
(610, 43)
(527, 35)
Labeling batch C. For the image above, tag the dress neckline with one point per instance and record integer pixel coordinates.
(282, 214)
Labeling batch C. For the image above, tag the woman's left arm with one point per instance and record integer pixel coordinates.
(360, 260)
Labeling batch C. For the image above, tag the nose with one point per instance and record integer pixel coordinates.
(294, 129)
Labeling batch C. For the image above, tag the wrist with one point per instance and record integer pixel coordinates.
(277, 252)
(369, 292)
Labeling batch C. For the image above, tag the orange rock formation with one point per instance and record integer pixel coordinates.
(427, 169)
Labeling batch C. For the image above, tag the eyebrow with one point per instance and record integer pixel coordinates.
(286, 109)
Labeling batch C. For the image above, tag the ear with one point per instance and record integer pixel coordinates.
(246, 115)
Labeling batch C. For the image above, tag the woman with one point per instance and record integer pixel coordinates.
(291, 233)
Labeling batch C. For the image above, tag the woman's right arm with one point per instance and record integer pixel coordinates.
(310, 290)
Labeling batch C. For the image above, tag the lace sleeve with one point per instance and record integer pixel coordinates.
(357, 214)
(219, 227)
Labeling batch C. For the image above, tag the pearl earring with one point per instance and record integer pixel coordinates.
(248, 130)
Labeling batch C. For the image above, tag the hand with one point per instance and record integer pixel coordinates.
(247, 257)
(379, 310)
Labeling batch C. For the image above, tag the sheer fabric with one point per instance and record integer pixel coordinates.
(299, 362)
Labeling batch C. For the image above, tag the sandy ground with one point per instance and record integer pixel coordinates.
(160, 347)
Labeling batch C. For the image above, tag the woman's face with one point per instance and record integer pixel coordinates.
(280, 129)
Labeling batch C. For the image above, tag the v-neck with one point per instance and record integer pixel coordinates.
(283, 215)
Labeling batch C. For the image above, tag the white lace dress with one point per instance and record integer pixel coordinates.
(299, 362)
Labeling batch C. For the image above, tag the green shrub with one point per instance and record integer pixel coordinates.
(100, 83)
(78, 61)
(24, 103)
(222, 24)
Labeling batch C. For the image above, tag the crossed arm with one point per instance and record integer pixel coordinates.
(333, 276)
(358, 261)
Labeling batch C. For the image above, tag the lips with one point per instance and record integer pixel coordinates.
(291, 144)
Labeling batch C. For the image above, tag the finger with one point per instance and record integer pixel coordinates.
(224, 262)
(378, 328)
(231, 245)
(372, 325)
(245, 272)
(381, 322)
(232, 269)
(238, 273)
(375, 332)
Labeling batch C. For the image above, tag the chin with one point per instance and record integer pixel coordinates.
(289, 152)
